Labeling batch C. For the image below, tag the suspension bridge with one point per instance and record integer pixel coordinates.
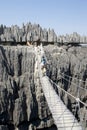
(63, 118)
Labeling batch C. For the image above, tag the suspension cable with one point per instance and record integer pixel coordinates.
(74, 118)
(73, 77)
(77, 106)
(67, 75)
(73, 83)
(77, 99)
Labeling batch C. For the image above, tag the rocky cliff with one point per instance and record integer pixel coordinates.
(31, 32)
(67, 67)
(22, 102)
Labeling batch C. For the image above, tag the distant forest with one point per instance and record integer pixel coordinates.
(32, 32)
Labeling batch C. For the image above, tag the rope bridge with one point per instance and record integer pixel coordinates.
(63, 118)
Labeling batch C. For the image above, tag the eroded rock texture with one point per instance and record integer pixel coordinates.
(22, 102)
(66, 66)
(31, 32)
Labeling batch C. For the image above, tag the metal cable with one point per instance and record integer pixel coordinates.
(73, 77)
(69, 93)
(73, 83)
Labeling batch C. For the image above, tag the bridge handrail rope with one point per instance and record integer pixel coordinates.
(77, 99)
(62, 73)
(76, 106)
(65, 74)
(73, 77)
(74, 118)
(73, 83)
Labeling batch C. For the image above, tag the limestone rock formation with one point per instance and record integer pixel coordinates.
(67, 66)
(22, 102)
(31, 32)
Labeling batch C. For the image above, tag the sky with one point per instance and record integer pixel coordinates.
(64, 16)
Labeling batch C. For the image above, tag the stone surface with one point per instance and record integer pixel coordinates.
(22, 102)
(31, 32)
(71, 61)
(3, 127)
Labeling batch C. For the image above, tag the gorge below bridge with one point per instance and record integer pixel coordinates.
(23, 103)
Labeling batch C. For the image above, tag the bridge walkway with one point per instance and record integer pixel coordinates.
(63, 118)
